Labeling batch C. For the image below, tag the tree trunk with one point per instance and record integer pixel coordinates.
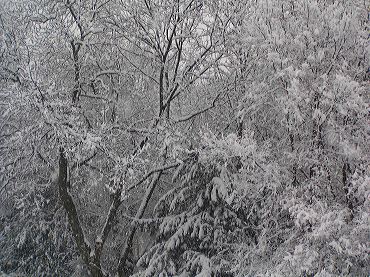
(73, 220)
(126, 265)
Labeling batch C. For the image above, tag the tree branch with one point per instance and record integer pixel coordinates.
(125, 266)
(188, 117)
(150, 173)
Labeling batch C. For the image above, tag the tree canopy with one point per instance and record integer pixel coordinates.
(184, 138)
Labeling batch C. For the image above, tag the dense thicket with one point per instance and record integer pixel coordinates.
(184, 138)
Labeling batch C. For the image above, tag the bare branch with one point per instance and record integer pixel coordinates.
(150, 173)
(188, 117)
(84, 162)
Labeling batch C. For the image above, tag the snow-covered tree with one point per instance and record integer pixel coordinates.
(258, 109)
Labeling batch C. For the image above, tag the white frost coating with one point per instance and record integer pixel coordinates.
(218, 181)
(105, 224)
(204, 262)
(123, 194)
(214, 195)
(201, 232)
(170, 245)
(231, 197)
(86, 241)
(99, 239)
(200, 201)
(298, 122)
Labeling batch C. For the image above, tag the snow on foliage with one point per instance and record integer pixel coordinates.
(233, 134)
